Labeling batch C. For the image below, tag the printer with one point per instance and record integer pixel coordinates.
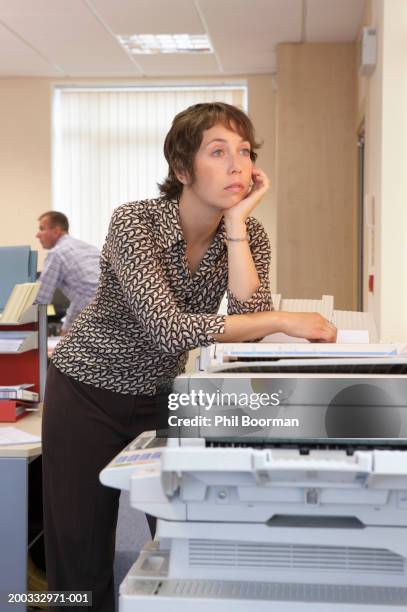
(273, 517)
(267, 522)
(245, 527)
(357, 350)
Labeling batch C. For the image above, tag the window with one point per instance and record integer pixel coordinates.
(107, 147)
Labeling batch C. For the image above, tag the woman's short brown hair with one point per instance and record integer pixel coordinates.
(185, 137)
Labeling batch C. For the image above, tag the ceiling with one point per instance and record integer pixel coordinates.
(77, 38)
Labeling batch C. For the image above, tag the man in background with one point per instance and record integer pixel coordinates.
(71, 265)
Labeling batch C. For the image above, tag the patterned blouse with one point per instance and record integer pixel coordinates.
(149, 311)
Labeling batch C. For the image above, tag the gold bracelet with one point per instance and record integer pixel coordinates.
(245, 239)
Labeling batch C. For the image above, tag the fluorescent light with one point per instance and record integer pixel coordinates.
(166, 43)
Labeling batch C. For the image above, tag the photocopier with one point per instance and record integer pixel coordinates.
(301, 520)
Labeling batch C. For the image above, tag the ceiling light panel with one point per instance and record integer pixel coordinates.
(165, 43)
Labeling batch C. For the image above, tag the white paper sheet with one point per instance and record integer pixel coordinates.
(353, 336)
(12, 435)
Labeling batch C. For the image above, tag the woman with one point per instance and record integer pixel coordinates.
(164, 268)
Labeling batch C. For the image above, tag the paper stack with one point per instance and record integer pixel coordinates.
(21, 298)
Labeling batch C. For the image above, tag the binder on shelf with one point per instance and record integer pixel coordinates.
(23, 350)
(11, 410)
(18, 392)
(18, 342)
(21, 299)
(30, 315)
(18, 264)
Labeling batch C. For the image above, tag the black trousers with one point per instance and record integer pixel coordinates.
(84, 427)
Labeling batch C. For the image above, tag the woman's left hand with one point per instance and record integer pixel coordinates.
(241, 210)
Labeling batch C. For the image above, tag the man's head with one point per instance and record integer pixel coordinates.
(52, 225)
(185, 137)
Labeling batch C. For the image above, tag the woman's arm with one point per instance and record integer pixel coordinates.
(254, 325)
(243, 279)
(132, 256)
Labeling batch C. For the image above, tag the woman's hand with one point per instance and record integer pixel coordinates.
(311, 326)
(238, 214)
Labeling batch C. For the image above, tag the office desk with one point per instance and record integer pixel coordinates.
(15, 538)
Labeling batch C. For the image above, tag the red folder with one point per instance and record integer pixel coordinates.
(11, 411)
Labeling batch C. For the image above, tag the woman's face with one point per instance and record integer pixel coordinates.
(222, 168)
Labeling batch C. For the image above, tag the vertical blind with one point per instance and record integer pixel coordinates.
(107, 147)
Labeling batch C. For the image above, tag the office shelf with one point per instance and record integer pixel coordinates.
(27, 363)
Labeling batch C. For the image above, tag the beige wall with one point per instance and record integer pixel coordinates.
(316, 172)
(25, 150)
(25, 157)
(262, 109)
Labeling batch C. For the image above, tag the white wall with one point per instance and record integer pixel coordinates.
(393, 218)
(384, 101)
